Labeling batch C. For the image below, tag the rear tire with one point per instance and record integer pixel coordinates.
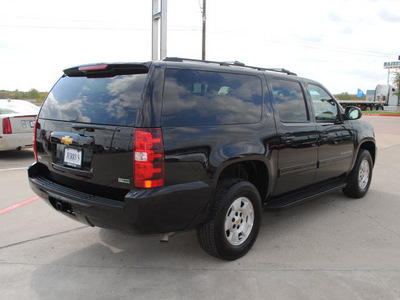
(359, 179)
(234, 221)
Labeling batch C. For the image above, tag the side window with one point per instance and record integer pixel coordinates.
(196, 98)
(325, 108)
(290, 101)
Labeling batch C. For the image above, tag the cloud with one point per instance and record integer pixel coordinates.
(389, 17)
(11, 47)
(335, 17)
(216, 91)
(125, 92)
(310, 38)
(67, 111)
(347, 30)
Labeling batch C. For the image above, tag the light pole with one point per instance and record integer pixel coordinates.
(203, 48)
(388, 93)
(159, 23)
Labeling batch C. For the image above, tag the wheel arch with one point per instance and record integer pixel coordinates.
(255, 171)
(370, 146)
(366, 144)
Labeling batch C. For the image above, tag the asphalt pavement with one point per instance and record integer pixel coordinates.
(333, 247)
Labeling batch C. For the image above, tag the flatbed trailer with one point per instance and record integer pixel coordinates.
(363, 105)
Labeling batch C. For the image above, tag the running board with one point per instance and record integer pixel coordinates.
(302, 195)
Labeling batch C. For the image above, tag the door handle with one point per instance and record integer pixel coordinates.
(288, 139)
(323, 136)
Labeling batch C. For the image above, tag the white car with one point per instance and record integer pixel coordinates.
(17, 119)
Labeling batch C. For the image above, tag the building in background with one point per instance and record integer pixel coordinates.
(370, 96)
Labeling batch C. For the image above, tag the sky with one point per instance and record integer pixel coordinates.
(343, 44)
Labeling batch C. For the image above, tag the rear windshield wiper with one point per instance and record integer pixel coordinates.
(93, 127)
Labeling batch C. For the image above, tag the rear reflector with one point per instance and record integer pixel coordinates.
(93, 68)
(7, 126)
(148, 158)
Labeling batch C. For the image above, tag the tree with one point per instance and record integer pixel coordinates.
(343, 96)
(396, 82)
(33, 94)
(347, 96)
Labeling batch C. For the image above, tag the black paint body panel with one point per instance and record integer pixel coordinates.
(283, 157)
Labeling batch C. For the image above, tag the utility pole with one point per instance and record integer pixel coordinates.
(388, 93)
(203, 52)
(159, 40)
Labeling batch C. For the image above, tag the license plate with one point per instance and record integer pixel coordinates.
(72, 157)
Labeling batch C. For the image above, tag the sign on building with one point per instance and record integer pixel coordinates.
(391, 64)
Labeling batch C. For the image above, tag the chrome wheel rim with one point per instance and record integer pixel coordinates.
(239, 221)
(363, 174)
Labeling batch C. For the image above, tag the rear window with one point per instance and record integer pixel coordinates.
(290, 101)
(193, 98)
(18, 107)
(111, 100)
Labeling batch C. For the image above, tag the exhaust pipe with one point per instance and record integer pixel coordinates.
(59, 206)
(164, 237)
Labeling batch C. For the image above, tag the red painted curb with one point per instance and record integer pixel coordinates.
(380, 115)
(15, 206)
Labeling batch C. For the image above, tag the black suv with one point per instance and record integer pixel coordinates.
(179, 144)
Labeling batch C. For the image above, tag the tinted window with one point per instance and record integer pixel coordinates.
(325, 108)
(289, 101)
(210, 98)
(111, 101)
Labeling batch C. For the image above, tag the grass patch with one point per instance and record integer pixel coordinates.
(380, 112)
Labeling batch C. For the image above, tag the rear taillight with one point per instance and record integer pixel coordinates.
(148, 157)
(34, 140)
(7, 126)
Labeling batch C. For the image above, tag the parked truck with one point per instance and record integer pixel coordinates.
(376, 99)
(363, 105)
(386, 94)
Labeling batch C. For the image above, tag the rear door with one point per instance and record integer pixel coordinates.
(297, 136)
(86, 128)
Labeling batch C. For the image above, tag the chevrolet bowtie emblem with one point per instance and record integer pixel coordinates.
(66, 140)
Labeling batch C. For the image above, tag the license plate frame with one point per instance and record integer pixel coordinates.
(73, 157)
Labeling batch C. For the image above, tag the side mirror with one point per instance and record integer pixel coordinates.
(352, 113)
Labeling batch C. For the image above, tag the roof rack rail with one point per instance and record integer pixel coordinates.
(282, 70)
(230, 63)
